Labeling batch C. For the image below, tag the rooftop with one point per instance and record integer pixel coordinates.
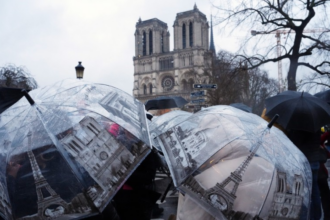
(148, 22)
(191, 12)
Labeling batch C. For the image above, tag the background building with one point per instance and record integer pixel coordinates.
(159, 71)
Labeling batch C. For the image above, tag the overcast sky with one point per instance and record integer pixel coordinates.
(50, 37)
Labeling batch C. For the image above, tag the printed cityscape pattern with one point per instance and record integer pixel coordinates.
(286, 205)
(127, 111)
(60, 107)
(180, 152)
(246, 133)
(106, 160)
(5, 207)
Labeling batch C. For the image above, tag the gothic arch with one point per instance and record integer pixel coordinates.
(191, 34)
(184, 36)
(144, 43)
(184, 85)
(186, 22)
(190, 84)
(162, 41)
(150, 87)
(150, 41)
(187, 75)
(143, 89)
(146, 80)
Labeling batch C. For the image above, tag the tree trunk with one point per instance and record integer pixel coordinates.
(294, 60)
(292, 74)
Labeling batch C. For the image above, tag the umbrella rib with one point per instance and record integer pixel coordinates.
(60, 150)
(85, 85)
(85, 109)
(291, 155)
(69, 97)
(15, 117)
(23, 120)
(287, 113)
(320, 105)
(267, 192)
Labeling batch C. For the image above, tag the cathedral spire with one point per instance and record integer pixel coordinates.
(195, 7)
(212, 47)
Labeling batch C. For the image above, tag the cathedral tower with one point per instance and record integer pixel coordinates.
(191, 30)
(159, 71)
(151, 36)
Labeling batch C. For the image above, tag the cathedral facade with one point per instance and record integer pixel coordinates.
(161, 72)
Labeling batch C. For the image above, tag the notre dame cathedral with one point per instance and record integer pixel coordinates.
(159, 71)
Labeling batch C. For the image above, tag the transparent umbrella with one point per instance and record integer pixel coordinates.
(164, 122)
(233, 166)
(67, 149)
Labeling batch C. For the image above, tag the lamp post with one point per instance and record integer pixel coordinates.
(80, 70)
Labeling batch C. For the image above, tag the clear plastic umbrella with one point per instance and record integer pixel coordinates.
(67, 149)
(164, 122)
(233, 166)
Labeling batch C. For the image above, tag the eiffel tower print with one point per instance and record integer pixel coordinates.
(42, 185)
(223, 194)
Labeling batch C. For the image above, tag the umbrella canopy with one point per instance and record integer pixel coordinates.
(242, 106)
(164, 122)
(232, 165)
(299, 110)
(8, 96)
(164, 102)
(325, 96)
(67, 150)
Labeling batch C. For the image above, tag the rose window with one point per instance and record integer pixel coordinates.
(168, 83)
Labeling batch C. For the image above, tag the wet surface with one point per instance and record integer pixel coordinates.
(171, 200)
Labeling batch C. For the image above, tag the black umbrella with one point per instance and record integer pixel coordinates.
(242, 107)
(164, 102)
(325, 95)
(8, 96)
(299, 110)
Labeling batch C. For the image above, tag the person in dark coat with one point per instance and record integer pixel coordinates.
(309, 144)
(323, 178)
(137, 198)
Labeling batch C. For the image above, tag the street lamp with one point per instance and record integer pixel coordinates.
(80, 71)
(254, 33)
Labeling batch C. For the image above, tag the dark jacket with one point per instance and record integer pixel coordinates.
(308, 143)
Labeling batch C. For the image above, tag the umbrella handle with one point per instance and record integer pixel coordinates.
(28, 97)
(271, 123)
(166, 191)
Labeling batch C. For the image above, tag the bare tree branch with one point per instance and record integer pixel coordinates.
(282, 17)
(16, 77)
(315, 67)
